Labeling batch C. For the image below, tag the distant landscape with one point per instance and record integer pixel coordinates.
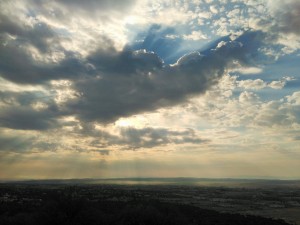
(216, 182)
(150, 201)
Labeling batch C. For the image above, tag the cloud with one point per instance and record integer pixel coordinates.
(195, 36)
(46, 40)
(65, 9)
(259, 84)
(248, 70)
(26, 46)
(103, 152)
(280, 22)
(98, 5)
(252, 84)
(248, 97)
(213, 9)
(83, 80)
(24, 141)
(135, 138)
(286, 15)
(27, 111)
(277, 84)
(18, 65)
(294, 99)
(40, 35)
(13, 143)
(133, 82)
(26, 118)
(274, 113)
(226, 105)
(109, 84)
(149, 137)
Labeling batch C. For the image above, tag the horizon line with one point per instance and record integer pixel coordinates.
(149, 178)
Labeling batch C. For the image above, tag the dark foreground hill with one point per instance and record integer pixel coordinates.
(60, 209)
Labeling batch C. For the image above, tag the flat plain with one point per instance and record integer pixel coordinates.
(266, 198)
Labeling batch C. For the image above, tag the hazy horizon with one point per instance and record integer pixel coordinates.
(158, 178)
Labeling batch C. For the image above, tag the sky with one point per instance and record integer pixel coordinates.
(140, 88)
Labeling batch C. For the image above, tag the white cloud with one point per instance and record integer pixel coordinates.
(277, 84)
(213, 9)
(252, 84)
(294, 99)
(248, 97)
(195, 36)
(205, 15)
(248, 70)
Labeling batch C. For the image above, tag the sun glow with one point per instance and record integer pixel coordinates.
(135, 121)
(131, 20)
(124, 123)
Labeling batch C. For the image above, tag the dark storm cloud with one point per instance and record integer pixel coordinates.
(27, 118)
(110, 84)
(18, 65)
(23, 98)
(17, 111)
(287, 16)
(132, 82)
(17, 61)
(39, 34)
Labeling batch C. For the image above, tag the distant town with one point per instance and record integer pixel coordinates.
(277, 200)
